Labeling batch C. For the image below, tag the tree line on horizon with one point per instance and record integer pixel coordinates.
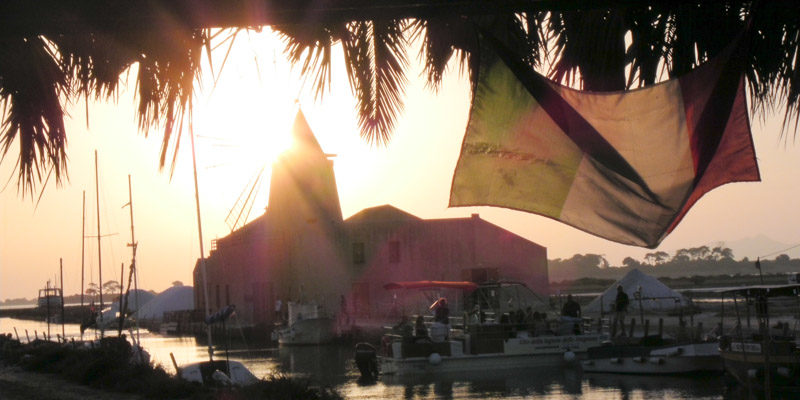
(92, 292)
(702, 260)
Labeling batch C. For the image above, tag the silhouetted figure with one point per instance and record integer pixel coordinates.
(419, 327)
(404, 328)
(442, 312)
(571, 308)
(620, 308)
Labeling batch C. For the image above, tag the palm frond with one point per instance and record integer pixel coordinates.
(597, 46)
(389, 62)
(375, 57)
(165, 83)
(30, 85)
(593, 43)
(313, 45)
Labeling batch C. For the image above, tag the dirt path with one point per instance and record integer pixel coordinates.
(16, 384)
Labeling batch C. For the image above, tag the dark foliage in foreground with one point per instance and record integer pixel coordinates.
(107, 366)
(57, 52)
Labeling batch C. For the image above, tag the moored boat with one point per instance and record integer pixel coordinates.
(49, 297)
(654, 355)
(306, 326)
(765, 357)
(494, 337)
(218, 372)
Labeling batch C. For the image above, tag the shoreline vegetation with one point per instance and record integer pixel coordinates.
(106, 370)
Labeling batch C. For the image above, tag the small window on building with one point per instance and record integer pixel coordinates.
(394, 251)
(358, 253)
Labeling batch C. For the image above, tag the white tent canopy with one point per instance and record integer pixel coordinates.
(655, 295)
(175, 298)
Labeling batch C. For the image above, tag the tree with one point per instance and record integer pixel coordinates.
(699, 253)
(177, 283)
(656, 258)
(682, 255)
(721, 253)
(630, 262)
(92, 290)
(112, 287)
(661, 257)
(62, 51)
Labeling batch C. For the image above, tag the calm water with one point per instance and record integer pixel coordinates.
(333, 366)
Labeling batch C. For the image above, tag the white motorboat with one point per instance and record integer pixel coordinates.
(49, 297)
(654, 356)
(479, 344)
(306, 326)
(218, 372)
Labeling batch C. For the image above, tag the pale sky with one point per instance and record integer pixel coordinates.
(240, 126)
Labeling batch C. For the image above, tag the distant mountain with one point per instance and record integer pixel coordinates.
(759, 246)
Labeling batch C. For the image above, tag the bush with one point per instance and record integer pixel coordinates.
(107, 366)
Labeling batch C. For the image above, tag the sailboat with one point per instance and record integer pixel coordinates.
(222, 372)
(107, 318)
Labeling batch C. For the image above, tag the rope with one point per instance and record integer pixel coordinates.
(779, 251)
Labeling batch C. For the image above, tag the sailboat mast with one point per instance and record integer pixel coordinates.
(202, 253)
(61, 272)
(83, 244)
(133, 246)
(99, 257)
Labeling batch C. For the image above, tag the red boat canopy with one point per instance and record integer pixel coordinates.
(464, 285)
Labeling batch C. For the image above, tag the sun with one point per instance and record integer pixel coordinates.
(242, 122)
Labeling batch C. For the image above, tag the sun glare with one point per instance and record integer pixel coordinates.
(242, 121)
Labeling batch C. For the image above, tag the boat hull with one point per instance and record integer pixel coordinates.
(677, 359)
(49, 301)
(307, 332)
(748, 367)
(517, 353)
(203, 372)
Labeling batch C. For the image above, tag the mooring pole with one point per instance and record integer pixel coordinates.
(61, 267)
(99, 257)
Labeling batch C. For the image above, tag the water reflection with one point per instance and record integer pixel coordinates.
(333, 366)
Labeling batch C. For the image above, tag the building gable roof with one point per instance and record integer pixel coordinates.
(303, 136)
(384, 213)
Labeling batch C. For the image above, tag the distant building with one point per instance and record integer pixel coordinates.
(301, 249)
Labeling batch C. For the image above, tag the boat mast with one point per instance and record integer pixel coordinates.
(99, 257)
(134, 271)
(200, 234)
(83, 238)
(61, 271)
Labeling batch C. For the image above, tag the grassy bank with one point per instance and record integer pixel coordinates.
(108, 366)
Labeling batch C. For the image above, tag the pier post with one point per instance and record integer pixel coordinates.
(646, 327)
(27, 336)
(633, 325)
(36, 334)
(661, 327)
(614, 328)
(16, 333)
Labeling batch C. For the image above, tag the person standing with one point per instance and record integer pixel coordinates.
(344, 314)
(620, 309)
(442, 312)
(278, 309)
(571, 308)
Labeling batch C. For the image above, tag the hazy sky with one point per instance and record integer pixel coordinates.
(242, 124)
